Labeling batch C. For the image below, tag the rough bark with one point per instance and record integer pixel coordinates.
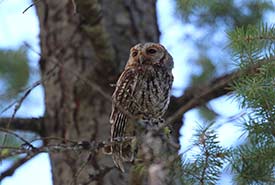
(74, 45)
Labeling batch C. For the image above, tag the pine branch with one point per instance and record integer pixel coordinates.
(209, 160)
(199, 95)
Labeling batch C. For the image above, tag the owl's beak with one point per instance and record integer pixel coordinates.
(141, 58)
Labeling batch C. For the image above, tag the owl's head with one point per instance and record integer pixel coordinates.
(150, 54)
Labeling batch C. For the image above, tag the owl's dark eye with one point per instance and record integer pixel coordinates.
(151, 51)
(134, 53)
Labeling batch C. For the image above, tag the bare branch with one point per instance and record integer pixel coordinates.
(91, 147)
(35, 2)
(24, 124)
(16, 165)
(61, 147)
(197, 96)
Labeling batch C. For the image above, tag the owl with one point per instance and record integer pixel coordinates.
(142, 94)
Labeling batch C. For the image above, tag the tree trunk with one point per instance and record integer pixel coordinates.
(84, 46)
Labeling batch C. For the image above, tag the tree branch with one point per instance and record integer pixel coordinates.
(16, 165)
(24, 124)
(76, 146)
(199, 95)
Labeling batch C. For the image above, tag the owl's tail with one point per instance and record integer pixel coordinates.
(122, 151)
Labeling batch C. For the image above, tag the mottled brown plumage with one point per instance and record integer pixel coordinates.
(142, 93)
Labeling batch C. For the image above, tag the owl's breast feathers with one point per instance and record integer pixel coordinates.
(144, 91)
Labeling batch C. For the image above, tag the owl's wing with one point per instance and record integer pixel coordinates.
(121, 113)
(118, 122)
(123, 101)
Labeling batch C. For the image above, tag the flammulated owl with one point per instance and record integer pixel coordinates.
(142, 93)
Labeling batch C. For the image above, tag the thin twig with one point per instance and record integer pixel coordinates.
(34, 3)
(25, 142)
(76, 175)
(20, 101)
(82, 78)
(72, 146)
(54, 138)
(30, 88)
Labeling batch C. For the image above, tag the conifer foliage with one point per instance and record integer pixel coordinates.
(253, 161)
(206, 165)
